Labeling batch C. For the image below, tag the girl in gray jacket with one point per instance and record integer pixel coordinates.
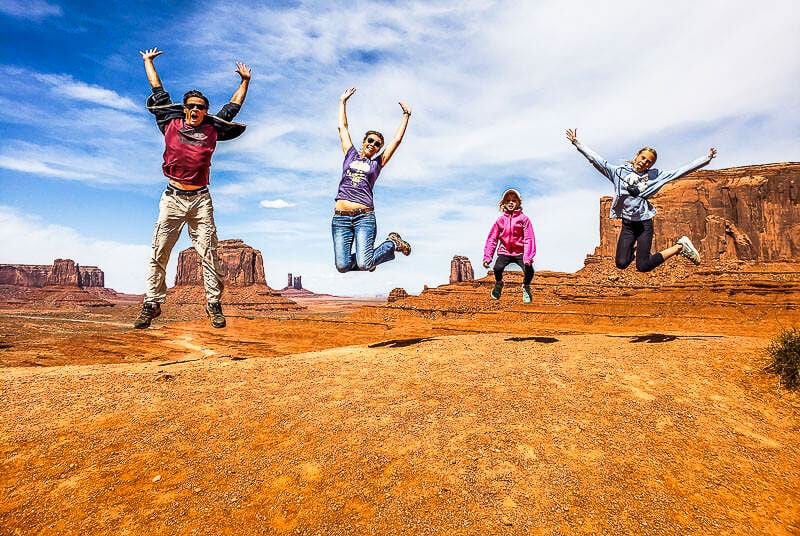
(634, 183)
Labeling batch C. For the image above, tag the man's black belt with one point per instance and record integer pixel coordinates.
(175, 191)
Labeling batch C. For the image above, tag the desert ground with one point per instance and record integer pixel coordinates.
(322, 423)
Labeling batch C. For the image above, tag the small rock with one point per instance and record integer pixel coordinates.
(506, 521)
(156, 478)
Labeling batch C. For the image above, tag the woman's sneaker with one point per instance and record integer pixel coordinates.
(497, 290)
(526, 294)
(689, 251)
(399, 244)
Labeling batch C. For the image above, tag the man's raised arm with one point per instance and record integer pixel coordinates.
(229, 110)
(149, 67)
(241, 91)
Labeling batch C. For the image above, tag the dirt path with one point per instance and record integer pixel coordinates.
(468, 434)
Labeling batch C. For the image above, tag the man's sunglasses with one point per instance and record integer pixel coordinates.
(193, 106)
(374, 141)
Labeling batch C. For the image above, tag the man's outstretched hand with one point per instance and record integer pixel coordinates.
(243, 70)
(149, 55)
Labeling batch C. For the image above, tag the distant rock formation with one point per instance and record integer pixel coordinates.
(241, 264)
(397, 294)
(749, 213)
(294, 283)
(63, 273)
(461, 269)
(244, 280)
(64, 284)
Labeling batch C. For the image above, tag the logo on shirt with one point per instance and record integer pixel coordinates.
(634, 179)
(357, 171)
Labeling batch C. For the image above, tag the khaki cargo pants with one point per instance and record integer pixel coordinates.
(173, 212)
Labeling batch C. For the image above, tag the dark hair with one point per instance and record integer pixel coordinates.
(194, 93)
(373, 132)
(508, 194)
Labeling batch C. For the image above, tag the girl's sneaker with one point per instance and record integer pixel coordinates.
(399, 244)
(526, 294)
(689, 251)
(497, 290)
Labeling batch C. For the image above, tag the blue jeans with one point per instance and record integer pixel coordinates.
(361, 229)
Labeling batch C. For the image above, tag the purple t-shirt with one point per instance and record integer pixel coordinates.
(358, 177)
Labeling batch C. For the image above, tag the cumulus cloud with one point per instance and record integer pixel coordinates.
(28, 239)
(37, 167)
(67, 86)
(275, 203)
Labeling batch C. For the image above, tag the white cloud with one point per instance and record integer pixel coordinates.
(67, 86)
(497, 83)
(31, 240)
(36, 167)
(275, 203)
(119, 163)
(29, 9)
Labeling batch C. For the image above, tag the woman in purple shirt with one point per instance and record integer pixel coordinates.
(354, 213)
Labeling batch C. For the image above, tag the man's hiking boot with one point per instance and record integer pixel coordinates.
(214, 312)
(497, 290)
(150, 310)
(526, 294)
(689, 251)
(399, 244)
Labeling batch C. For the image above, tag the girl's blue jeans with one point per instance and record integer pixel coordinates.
(361, 230)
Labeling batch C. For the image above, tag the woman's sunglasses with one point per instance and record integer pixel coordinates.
(374, 141)
(193, 106)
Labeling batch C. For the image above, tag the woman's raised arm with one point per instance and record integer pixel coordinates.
(398, 136)
(344, 134)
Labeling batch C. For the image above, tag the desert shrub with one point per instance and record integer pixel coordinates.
(784, 352)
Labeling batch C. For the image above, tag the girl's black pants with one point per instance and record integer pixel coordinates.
(504, 260)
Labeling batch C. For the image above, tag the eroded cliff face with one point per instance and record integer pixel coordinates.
(461, 269)
(749, 213)
(63, 273)
(242, 265)
(245, 283)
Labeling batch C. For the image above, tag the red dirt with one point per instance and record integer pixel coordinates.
(521, 430)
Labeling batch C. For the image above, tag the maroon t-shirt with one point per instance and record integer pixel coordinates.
(187, 156)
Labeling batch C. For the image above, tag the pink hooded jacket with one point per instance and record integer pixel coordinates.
(515, 234)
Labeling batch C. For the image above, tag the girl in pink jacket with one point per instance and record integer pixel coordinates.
(514, 231)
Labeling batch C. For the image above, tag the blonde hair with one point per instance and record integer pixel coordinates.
(640, 151)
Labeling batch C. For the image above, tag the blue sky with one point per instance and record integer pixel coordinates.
(493, 86)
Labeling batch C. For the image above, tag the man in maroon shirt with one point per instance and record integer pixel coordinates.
(190, 137)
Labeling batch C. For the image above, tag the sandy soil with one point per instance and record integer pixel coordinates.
(385, 429)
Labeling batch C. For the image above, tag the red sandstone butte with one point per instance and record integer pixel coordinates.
(244, 280)
(63, 273)
(397, 294)
(461, 269)
(242, 265)
(64, 284)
